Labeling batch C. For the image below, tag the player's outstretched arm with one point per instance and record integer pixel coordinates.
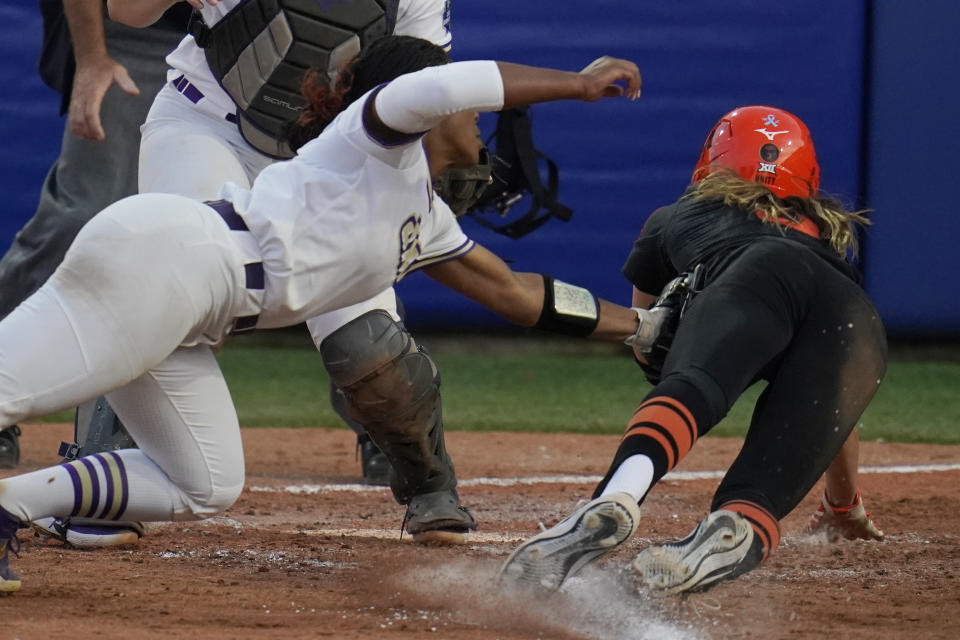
(531, 299)
(417, 102)
(605, 77)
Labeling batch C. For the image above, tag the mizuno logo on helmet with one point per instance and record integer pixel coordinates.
(770, 134)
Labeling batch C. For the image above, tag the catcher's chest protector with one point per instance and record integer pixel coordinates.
(260, 51)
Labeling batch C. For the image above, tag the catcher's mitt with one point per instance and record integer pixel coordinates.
(675, 297)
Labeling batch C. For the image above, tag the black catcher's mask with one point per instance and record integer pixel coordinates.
(503, 179)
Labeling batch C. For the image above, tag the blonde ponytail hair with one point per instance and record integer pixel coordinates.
(837, 225)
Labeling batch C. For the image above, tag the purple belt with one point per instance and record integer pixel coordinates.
(193, 94)
(253, 270)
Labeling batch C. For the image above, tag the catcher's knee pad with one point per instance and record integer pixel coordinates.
(392, 388)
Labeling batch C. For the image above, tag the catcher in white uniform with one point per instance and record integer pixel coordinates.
(191, 145)
(153, 281)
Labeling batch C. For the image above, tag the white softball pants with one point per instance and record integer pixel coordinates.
(149, 284)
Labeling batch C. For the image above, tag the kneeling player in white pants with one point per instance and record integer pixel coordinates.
(155, 280)
(191, 146)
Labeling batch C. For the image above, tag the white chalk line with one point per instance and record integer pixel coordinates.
(482, 537)
(474, 537)
(311, 489)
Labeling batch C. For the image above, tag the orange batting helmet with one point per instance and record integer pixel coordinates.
(766, 145)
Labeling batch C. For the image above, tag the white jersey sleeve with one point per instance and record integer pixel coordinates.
(427, 19)
(416, 102)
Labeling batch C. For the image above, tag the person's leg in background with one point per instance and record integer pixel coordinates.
(87, 176)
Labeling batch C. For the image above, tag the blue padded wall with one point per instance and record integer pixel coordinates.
(30, 127)
(912, 261)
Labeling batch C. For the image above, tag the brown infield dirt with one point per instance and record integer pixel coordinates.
(281, 564)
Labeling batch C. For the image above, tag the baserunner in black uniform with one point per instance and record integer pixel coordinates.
(762, 290)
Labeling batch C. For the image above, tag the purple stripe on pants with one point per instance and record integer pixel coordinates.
(94, 487)
(124, 486)
(77, 488)
(108, 492)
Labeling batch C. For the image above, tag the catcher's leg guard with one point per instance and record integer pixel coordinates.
(374, 465)
(392, 389)
(10, 447)
(96, 428)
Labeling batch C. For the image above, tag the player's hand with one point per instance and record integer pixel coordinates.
(651, 321)
(198, 4)
(608, 77)
(90, 83)
(852, 522)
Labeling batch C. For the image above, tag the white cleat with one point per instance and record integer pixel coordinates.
(546, 560)
(87, 533)
(716, 550)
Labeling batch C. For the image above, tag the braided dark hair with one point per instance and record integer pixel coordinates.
(381, 62)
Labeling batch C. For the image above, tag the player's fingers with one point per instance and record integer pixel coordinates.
(92, 118)
(606, 73)
(92, 114)
(634, 80)
(629, 74)
(84, 117)
(125, 82)
(612, 91)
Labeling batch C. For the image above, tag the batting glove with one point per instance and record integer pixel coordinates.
(852, 522)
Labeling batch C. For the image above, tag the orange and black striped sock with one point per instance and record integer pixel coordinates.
(764, 524)
(663, 428)
(668, 423)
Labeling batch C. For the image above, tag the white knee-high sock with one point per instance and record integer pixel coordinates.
(114, 485)
(633, 476)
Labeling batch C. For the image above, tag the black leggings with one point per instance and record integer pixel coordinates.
(781, 314)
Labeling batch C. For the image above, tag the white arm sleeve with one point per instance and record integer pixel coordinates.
(417, 102)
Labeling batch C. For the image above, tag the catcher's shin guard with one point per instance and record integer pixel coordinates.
(96, 428)
(392, 388)
(374, 465)
(10, 447)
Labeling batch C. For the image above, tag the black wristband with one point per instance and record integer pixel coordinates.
(568, 309)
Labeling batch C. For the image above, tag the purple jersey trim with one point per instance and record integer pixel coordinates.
(466, 247)
(372, 120)
(77, 487)
(94, 486)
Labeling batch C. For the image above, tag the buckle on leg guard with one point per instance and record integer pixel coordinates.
(68, 450)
